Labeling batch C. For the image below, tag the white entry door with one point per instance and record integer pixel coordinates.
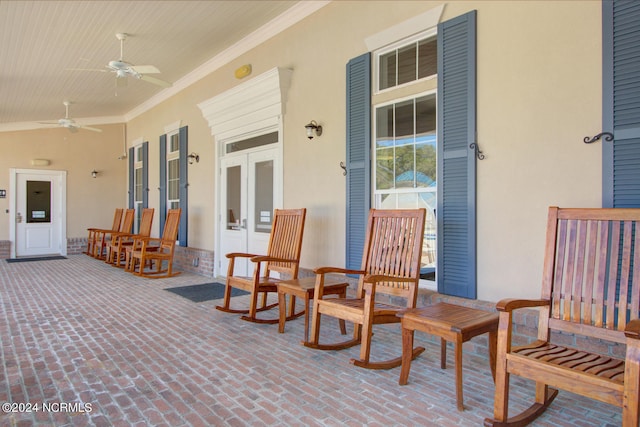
(248, 197)
(39, 217)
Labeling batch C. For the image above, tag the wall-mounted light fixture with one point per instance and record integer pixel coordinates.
(94, 173)
(193, 157)
(312, 127)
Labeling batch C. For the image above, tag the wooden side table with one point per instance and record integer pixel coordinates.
(451, 323)
(305, 288)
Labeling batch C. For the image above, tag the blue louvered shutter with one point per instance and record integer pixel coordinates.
(184, 185)
(163, 182)
(132, 174)
(145, 174)
(456, 212)
(621, 104)
(358, 156)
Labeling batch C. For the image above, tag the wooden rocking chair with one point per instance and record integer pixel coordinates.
(283, 256)
(390, 266)
(103, 237)
(590, 288)
(91, 240)
(116, 250)
(146, 251)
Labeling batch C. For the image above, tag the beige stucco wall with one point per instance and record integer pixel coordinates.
(90, 202)
(539, 93)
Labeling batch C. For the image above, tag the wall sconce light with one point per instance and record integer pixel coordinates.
(94, 173)
(311, 127)
(193, 157)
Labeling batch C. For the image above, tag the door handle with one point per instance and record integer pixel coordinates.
(18, 217)
(244, 223)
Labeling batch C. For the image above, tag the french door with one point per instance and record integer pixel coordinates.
(249, 193)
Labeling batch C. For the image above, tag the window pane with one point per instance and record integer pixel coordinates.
(407, 64)
(404, 122)
(138, 185)
(384, 168)
(387, 70)
(264, 196)
(428, 58)
(426, 162)
(174, 144)
(384, 126)
(405, 167)
(173, 181)
(425, 115)
(426, 142)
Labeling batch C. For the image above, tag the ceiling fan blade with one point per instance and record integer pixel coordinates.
(155, 81)
(48, 123)
(145, 69)
(90, 128)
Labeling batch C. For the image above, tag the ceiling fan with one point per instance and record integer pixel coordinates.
(124, 69)
(69, 123)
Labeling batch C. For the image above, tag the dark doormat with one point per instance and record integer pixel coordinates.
(204, 292)
(38, 258)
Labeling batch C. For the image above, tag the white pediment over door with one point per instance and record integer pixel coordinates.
(253, 105)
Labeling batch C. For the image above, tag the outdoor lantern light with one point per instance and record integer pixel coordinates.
(94, 173)
(311, 127)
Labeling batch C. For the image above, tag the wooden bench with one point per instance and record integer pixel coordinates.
(590, 288)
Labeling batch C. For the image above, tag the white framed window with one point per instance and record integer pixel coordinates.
(173, 170)
(405, 171)
(408, 61)
(138, 166)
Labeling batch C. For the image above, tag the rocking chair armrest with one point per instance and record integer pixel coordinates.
(239, 255)
(144, 242)
(510, 304)
(326, 270)
(632, 330)
(265, 258)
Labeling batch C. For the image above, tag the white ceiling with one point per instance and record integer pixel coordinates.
(41, 40)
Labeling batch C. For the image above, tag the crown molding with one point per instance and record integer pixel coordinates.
(292, 16)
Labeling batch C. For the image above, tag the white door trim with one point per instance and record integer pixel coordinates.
(61, 203)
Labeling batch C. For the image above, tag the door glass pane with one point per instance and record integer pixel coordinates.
(233, 197)
(257, 141)
(38, 201)
(264, 197)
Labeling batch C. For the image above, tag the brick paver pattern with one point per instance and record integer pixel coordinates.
(78, 331)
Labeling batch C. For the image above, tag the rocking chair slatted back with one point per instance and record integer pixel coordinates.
(285, 241)
(392, 248)
(590, 281)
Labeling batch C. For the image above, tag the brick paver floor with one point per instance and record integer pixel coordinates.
(78, 334)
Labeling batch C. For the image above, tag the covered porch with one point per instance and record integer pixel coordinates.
(80, 331)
